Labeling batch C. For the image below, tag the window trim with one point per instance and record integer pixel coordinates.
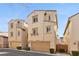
(48, 31)
(11, 34)
(36, 31)
(49, 18)
(18, 33)
(35, 19)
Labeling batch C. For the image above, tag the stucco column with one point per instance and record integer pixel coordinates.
(52, 40)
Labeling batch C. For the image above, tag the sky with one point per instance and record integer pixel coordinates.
(10, 11)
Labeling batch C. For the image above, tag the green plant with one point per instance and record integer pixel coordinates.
(75, 53)
(51, 50)
(19, 48)
(27, 48)
(62, 50)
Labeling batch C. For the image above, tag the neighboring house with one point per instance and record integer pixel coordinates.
(60, 40)
(71, 33)
(18, 34)
(3, 41)
(4, 33)
(61, 46)
(42, 29)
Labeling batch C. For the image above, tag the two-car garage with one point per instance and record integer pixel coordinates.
(40, 46)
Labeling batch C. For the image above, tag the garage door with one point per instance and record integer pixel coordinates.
(0, 45)
(40, 45)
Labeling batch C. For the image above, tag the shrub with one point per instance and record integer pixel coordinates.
(75, 53)
(27, 48)
(19, 48)
(62, 50)
(51, 50)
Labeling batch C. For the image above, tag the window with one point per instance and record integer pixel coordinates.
(18, 33)
(18, 22)
(45, 14)
(11, 25)
(49, 18)
(74, 43)
(48, 29)
(35, 31)
(35, 19)
(11, 34)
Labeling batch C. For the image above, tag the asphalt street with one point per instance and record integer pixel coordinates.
(15, 52)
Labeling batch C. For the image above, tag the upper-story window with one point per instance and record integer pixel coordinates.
(11, 34)
(48, 29)
(35, 19)
(45, 14)
(11, 25)
(35, 31)
(18, 33)
(49, 18)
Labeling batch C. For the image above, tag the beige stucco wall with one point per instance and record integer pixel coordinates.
(67, 36)
(41, 25)
(71, 36)
(75, 32)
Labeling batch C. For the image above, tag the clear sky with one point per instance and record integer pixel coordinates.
(20, 11)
